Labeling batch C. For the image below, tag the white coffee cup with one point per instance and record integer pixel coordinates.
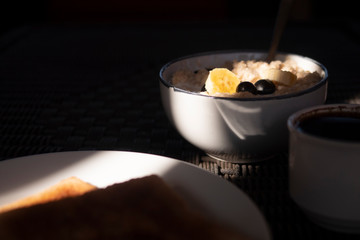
(324, 167)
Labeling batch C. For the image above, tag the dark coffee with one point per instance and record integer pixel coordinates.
(339, 127)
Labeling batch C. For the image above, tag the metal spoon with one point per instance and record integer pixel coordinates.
(281, 19)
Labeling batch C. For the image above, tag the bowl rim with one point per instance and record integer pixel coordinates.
(167, 84)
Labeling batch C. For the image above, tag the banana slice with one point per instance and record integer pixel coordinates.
(283, 77)
(221, 80)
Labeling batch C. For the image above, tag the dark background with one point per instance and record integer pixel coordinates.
(75, 88)
(18, 12)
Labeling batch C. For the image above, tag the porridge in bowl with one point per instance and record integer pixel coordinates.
(248, 78)
(232, 105)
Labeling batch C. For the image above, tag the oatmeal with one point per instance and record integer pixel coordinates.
(247, 79)
(189, 80)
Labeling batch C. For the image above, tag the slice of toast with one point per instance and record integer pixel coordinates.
(142, 208)
(68, 187)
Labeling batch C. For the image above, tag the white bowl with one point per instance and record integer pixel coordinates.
(241, 129)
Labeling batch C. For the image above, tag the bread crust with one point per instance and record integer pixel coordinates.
(69, 187)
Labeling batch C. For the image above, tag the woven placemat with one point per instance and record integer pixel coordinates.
(111, 116)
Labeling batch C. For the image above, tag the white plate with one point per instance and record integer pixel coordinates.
(219, 199)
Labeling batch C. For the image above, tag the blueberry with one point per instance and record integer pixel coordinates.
(265, 86)
(246, 87)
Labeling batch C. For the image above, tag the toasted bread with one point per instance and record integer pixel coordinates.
(69, 187)
(142, 208)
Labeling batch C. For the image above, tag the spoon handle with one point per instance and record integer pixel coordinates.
(281, 19)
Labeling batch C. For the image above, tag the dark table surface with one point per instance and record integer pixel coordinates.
(95, 87)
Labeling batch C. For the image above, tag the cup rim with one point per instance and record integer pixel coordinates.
(295, 118)
(316, 86)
